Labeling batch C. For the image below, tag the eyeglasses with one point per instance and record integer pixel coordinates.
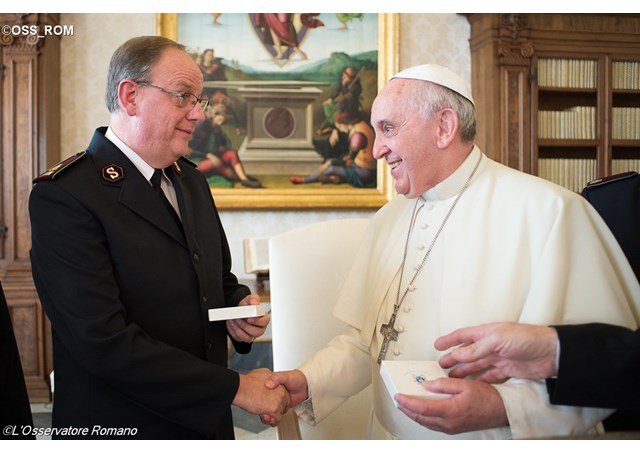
(185, 100)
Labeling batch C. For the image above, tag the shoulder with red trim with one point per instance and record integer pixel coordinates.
(58, 168)
(610, 179)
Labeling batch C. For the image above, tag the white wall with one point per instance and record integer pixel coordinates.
(424, 38)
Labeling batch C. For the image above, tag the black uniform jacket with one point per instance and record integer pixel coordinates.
(127, 293)
(600, 364)
(617, 200)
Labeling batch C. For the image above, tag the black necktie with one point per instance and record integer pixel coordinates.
(156, 180)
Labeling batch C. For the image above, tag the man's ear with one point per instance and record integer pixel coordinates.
(448, 124)
(128, 96)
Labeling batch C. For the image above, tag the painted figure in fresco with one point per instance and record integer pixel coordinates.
(213, 70)
(345, 98)
(220, 103)
(211, 66)
(212, 146)
(358, 166)
(277, 30)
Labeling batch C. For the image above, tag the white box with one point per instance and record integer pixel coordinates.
(406, 377)
(243, 311)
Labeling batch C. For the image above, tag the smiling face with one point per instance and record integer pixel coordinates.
(405, 139)
(163, 129)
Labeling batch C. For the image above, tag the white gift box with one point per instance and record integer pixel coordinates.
(407, 376)
(242, 311)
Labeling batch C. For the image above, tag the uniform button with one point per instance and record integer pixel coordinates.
(424, 226)
(204, 299)
(421, 247)
(412, 288)
(396, 352)
(407, 308)
(400, 329)
(429, 206)
(196, 258)
(209, 346)
(416, 266)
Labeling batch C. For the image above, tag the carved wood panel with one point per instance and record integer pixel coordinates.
(29, 99)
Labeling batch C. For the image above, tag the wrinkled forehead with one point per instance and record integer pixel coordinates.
(396, 93)
(177, 67)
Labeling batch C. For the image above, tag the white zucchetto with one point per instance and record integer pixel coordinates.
(437, 74)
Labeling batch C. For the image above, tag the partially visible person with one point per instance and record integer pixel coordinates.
(594, 364)
(358, 166)
(129, 254)
(617, 200)
(467, 241)
(15, 412)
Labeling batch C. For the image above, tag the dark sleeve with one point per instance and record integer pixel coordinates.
(14, 401)
(599, 367)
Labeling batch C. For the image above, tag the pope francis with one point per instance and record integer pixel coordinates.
(466, 241)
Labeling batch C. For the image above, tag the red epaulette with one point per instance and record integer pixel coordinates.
(59, 167)
(612, 178)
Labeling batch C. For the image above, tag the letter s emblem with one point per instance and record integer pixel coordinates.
(112, 173)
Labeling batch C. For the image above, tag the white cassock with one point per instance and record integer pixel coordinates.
(515, 248)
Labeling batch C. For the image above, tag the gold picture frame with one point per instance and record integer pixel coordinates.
(342, 196)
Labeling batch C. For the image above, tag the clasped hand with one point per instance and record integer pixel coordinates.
(270, 394)
(256, 397)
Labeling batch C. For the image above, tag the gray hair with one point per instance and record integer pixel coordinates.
(430, 98)
(133, 60)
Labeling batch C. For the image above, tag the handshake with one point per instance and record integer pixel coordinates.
(270, 394)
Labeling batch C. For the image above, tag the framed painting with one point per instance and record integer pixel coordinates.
(290, 94)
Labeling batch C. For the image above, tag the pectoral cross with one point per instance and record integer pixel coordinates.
(390, 334)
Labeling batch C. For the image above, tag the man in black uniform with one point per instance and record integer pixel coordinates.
(617, 200)
(129, 254)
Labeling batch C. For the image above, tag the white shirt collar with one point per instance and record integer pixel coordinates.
(144, 168)
(454, 183)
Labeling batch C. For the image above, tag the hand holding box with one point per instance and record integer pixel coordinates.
(241, 311)
(406, 377)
